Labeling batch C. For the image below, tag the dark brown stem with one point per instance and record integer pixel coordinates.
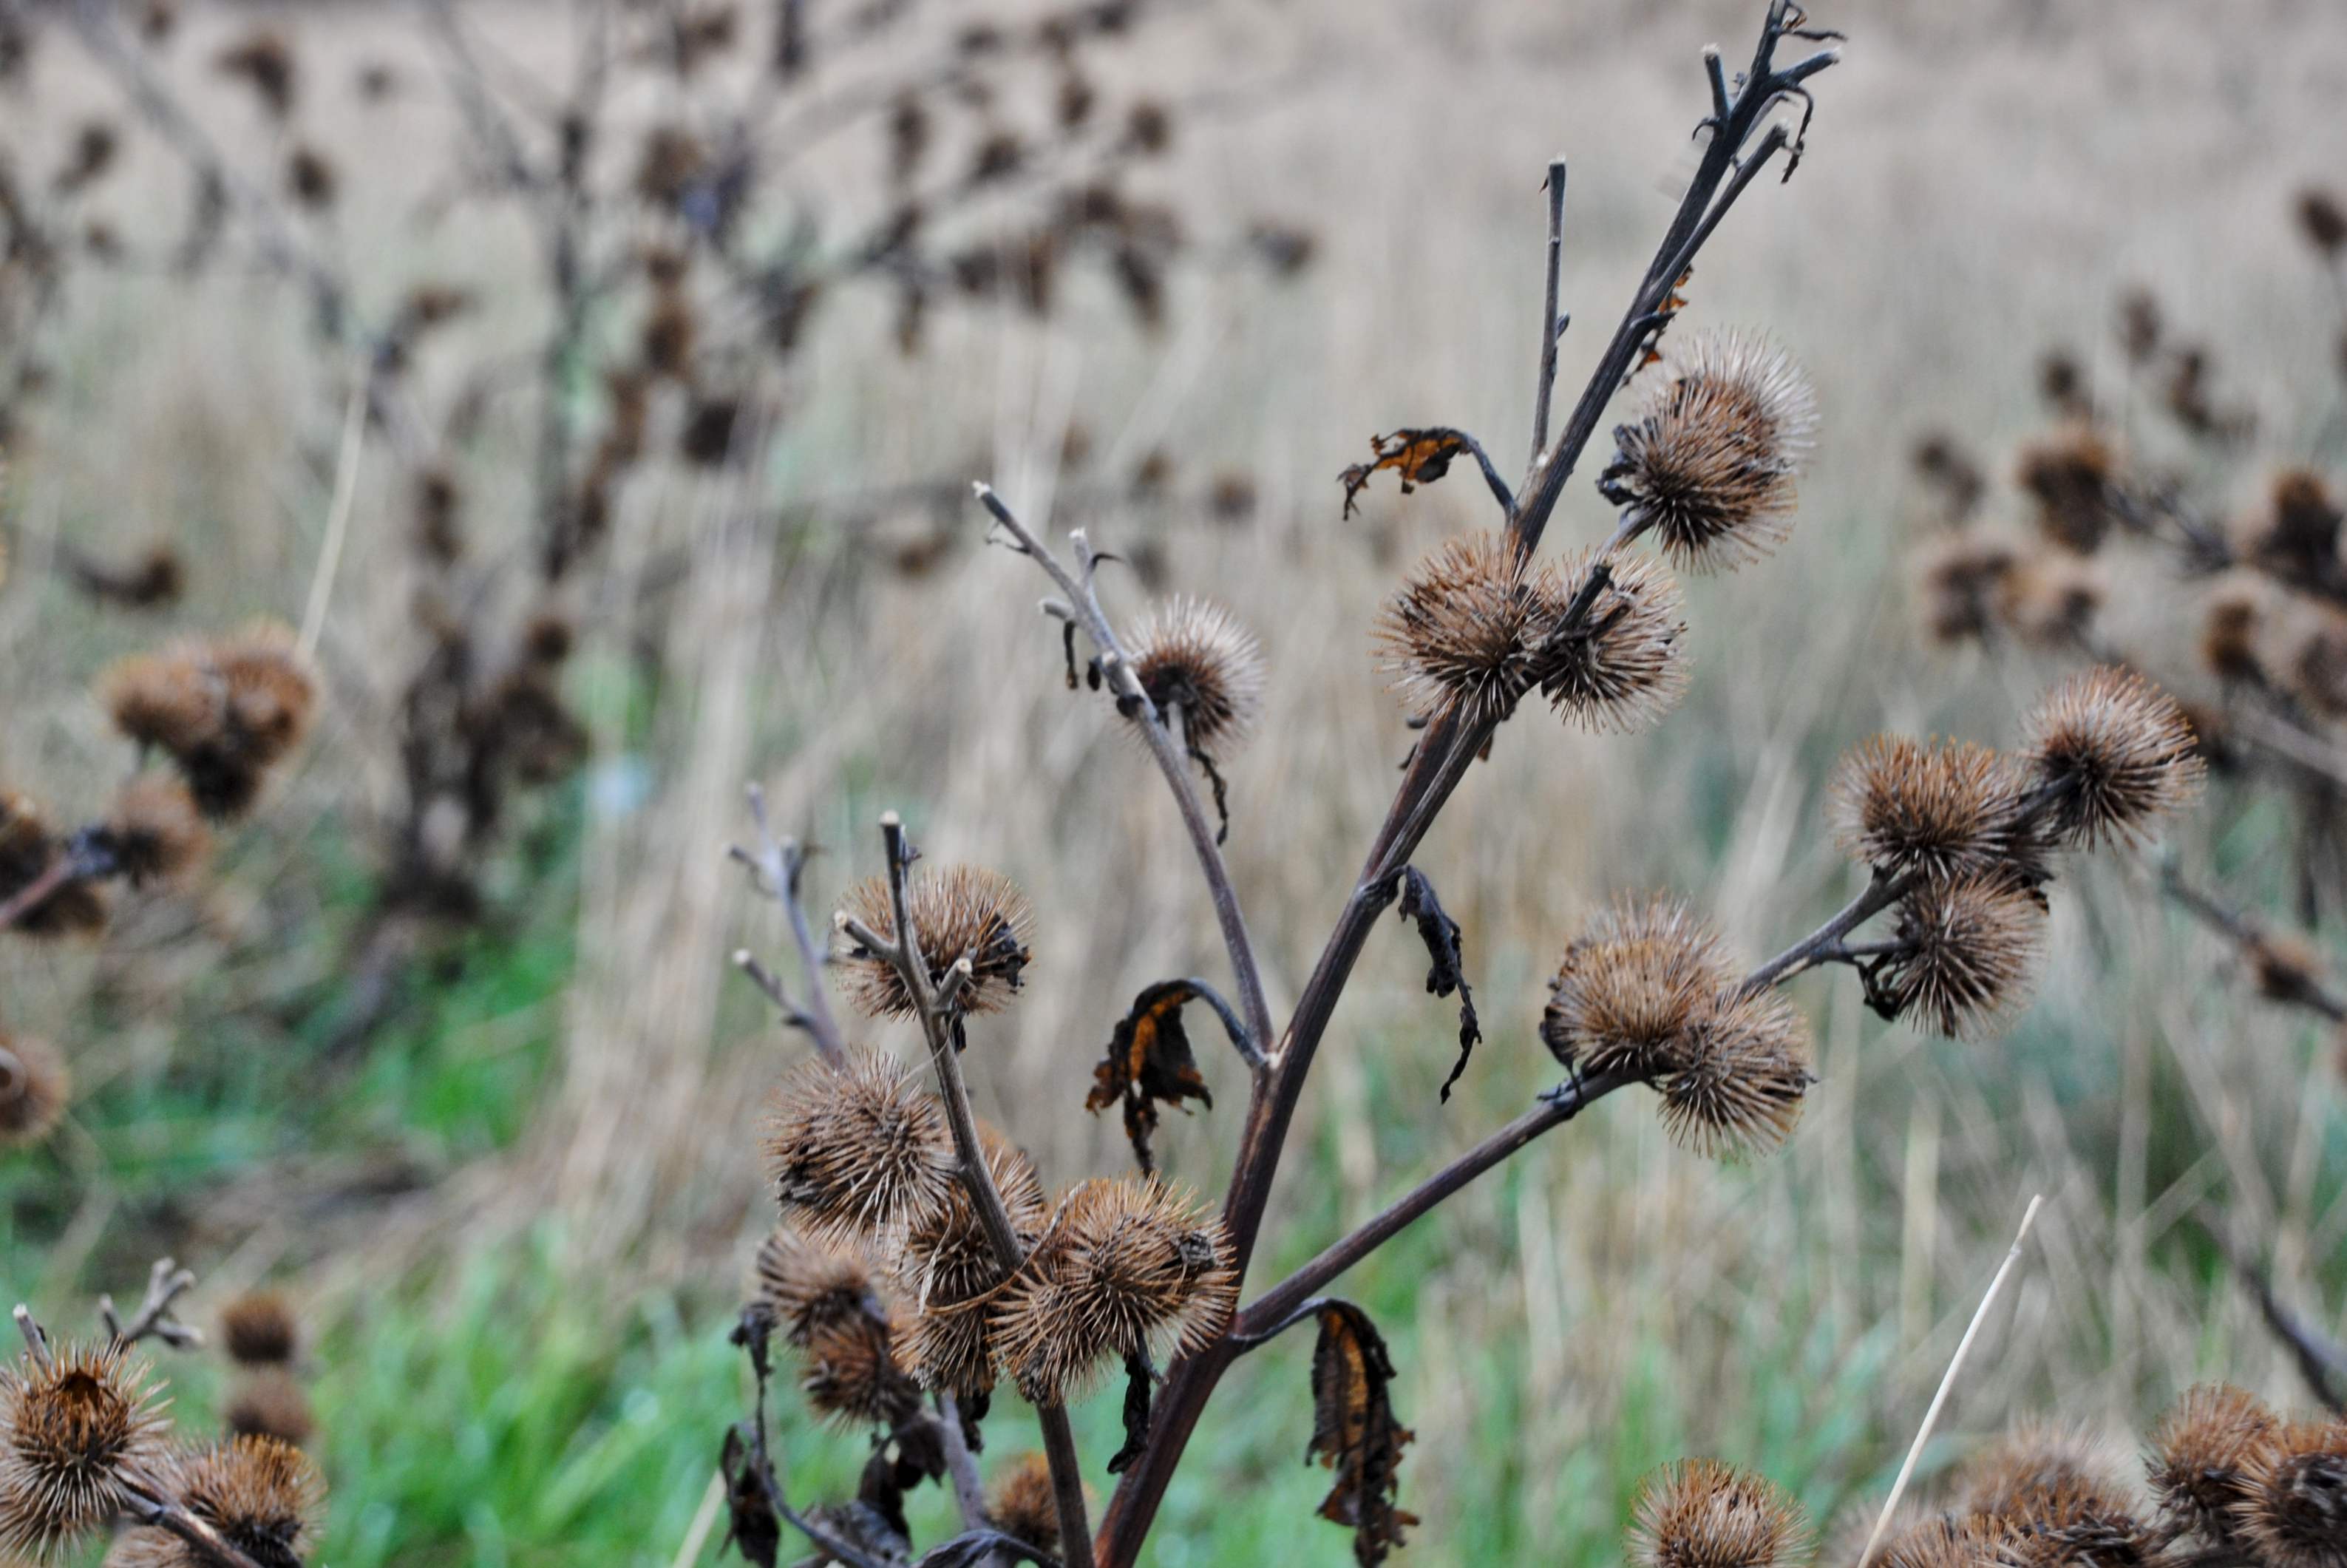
(1881, 892)
(2322, 1364)
(39, 891)
(1442, 759)
(1082, 602)
(902, 950)
(1555, 1110)
(2311, 992)
(157, 1511)
(1552, 325)
(961, 1466)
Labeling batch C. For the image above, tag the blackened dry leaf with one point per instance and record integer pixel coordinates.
(1419, 456)
(753, 1526)
(1354, 1431)
(1140, 1383)
(979, 1545)
(1150, 1064)
(1447, 969)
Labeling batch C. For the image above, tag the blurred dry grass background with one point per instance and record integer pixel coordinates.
(1983, 182)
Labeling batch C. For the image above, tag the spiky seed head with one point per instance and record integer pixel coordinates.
(2295, 1512)
(850, 1373)
(34, 1087)
(154, 830)
(1700, 1513)
(961, 912)
(1740, 1095)
(1196, 656)
(73, 1434)
(2069, 474)
(262, 1495)
(2233, 615)
(1712, 462)
(1634, 990)
(1627, 666)
(2013, 1477)
(1125, 1267)
(171, 700)
(2201, 1453)
(1941, 807)
(2297, 534)
(1959, 583)
(1968, 955)
(271, 694)
(269, 1403)
(859, 1148)
(1023, 1504)
(947, 1269)
(1936, 1540)
(2052, 601)
(2078, 1523)
(2115, 752)
(1463, 634)
(258, 1329)
(811, 1280)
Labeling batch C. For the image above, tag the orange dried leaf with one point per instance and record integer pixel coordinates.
(1150, 1064)
(1354, 1431)
(1419, 456)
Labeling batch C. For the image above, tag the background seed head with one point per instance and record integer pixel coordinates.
(36, 1086)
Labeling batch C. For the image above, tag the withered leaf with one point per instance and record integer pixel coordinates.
(1150, 1064)
(1447, 969)
(751, 1525)
(1140, 1383)
(1354, 1431)
(1419, 456)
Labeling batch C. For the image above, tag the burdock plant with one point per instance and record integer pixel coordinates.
(906, 1217)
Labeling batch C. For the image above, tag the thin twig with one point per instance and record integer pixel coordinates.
(776, 865)
(902, 951)
(166, 1282)
(1551, 324)
(1947, 1381)
(1555, 1110)
(1083, 600)
(2322, 1364)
